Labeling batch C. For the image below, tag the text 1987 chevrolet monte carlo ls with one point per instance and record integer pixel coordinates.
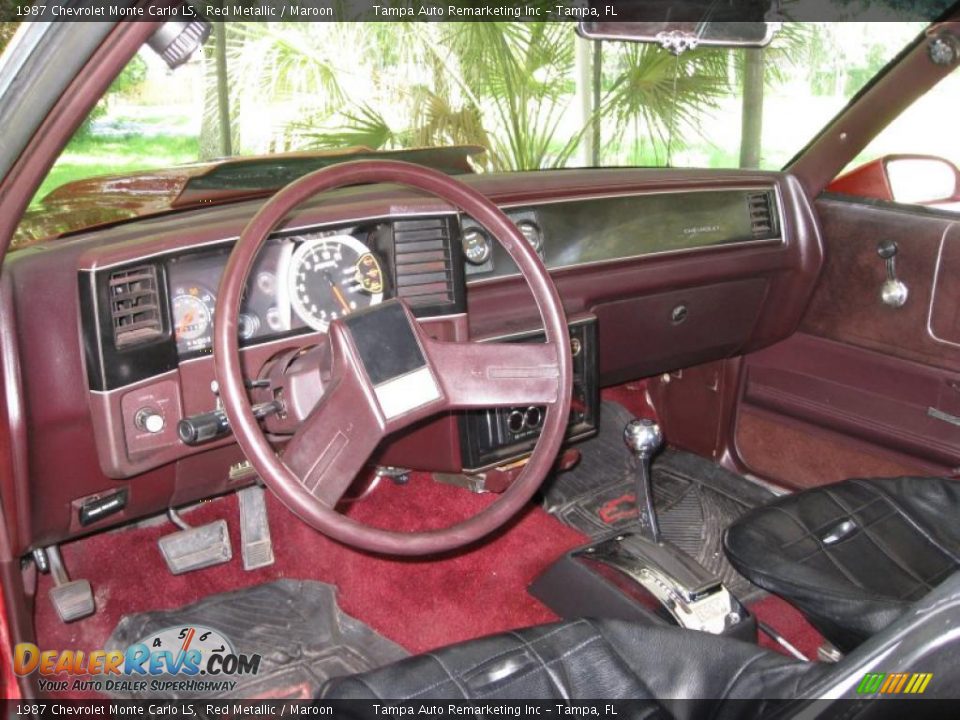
(460, 412)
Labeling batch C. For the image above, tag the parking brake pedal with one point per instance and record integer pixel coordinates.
(195, 548)
(72, 599)
(256, 545)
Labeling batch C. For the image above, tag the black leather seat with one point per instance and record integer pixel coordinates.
(671, 672)
(855, 555)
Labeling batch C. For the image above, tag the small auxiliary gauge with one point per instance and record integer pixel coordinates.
(532, 233)
(476, 246)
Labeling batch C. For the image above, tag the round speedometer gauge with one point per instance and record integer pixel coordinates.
(331, 277)
(193, 308)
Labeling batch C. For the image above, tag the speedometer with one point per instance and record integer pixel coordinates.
(331, 277)
(193, 308)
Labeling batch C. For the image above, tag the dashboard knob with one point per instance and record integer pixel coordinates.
(149, 420)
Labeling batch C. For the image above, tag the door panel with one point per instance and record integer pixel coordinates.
(863, 389)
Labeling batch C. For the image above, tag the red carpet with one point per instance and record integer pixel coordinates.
(789, 622)
(421, 604)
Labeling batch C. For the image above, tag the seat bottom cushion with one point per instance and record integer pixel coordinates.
(855, 555)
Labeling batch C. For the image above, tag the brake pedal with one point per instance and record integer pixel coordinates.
(195, 548)
(72, 599)
(255, 543)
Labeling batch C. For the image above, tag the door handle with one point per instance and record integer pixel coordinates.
(893, 292)
(944, 416)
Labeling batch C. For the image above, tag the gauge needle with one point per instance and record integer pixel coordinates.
(337, 294)
(184, 323)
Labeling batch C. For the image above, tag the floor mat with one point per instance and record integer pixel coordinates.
(295, 626)
(695, 499)
(420, 604)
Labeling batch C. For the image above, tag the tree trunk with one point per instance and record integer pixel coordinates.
(584, 98)
(751, 131)
(216, 133)
(597, 92)
(223, 91)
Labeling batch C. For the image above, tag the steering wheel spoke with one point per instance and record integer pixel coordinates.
(336, 440)
(480, 375)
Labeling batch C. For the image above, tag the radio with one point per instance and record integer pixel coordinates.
(499, 435)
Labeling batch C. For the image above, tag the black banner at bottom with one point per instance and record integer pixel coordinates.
(873, 707)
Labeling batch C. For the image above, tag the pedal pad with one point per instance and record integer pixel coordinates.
(255, 543)
(72, 599)
(197, 548)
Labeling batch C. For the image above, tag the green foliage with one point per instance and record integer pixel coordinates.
(125, 84)
(7, 31)
(656, 99)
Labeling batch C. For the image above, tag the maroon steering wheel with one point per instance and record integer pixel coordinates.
(379, 372)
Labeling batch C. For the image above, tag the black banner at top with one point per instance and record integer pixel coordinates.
(473, 10)
(492, 709)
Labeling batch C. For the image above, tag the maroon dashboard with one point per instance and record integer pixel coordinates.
(105, 335)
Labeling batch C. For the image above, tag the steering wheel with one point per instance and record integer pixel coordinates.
(379, 372)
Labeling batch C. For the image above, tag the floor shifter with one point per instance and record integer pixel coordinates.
(652, 577)
(643, 438)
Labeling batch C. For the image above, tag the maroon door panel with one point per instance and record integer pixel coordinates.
(863, 389)
(846, 304)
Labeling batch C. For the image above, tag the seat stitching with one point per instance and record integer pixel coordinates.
(815, 532)
(886, 551)
(829, 557)
(861, 526)
(613, 649)
(913, 522)
(553, 678)
(557, 659)
(453, 679)
(373, 691)
(499, 655)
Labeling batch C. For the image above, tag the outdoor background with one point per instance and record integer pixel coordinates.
(534, 95)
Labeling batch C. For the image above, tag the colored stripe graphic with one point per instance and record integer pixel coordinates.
(894, 683)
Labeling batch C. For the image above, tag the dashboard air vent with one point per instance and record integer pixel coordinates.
(762, 221)
(424, 265)
(135, 305)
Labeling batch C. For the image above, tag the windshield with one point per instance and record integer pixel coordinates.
(519, 96)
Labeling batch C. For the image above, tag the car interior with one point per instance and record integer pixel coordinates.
(408, 431)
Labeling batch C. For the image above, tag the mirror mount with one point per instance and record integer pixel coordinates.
(682, 25)
(678, 37)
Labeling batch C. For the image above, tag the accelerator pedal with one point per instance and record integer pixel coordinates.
(72, 599)
(195, 548)
(255, 543)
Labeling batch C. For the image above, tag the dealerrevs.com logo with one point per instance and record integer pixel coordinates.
(191, 659)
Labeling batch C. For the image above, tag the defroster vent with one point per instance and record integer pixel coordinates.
(763, 222)
(425, 275)
(135, 305)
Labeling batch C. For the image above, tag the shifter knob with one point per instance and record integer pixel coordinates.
(643, 437)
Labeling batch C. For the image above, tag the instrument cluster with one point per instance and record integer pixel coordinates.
(299, 282)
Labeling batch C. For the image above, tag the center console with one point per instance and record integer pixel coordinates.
(640, 575)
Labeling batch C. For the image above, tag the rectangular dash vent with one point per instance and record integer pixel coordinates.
(763, 223)
(135, 305)
(423, 259)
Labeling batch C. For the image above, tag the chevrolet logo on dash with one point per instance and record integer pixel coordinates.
(894, 683)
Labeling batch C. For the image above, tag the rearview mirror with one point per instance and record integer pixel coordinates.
(922, 179)
(680, 26)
